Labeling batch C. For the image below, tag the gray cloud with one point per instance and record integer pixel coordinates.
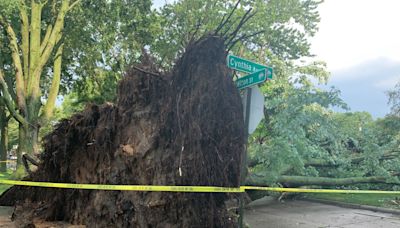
(363, 86)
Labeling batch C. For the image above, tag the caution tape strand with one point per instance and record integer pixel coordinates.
(162, 188)
(154, 188)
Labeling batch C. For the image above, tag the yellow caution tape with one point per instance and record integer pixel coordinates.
(152, 188)
(161, 188)
(8, 161)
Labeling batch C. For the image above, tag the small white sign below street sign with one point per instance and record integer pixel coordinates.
(256, 108)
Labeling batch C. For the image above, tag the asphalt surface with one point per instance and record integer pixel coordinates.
(299, 214)
(5, 217)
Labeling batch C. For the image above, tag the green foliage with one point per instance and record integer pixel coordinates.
(287, 25)
(8, 7)
(282, 27)
(298, 121)
(12, 133)
(309, 140)
(97, 89)
(388, 129)
(185, 21)
(71, 105)
(103, 38)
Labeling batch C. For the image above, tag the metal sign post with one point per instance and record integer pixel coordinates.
(243, 169)
(252, 114)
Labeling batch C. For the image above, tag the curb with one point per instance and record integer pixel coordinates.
(355, 206)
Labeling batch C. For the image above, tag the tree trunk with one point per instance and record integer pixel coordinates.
(28, 143)
(3, 138)
(28, 140)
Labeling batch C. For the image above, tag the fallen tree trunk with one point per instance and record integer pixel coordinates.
(182, 129)
(295, 181)
(329, 181)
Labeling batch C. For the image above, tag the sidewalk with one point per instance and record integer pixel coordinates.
(307, 214)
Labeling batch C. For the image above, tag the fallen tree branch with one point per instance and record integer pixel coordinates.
(25, 159)
(243, 37)
(147, 72)
(329, 181)
(247, 16)
(224, 21)
(355, 160)
(319, 162)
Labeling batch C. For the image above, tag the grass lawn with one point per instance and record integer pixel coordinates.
(379, 200)
(7, 175)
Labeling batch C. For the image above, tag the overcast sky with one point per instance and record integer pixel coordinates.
(159, 3)
(360, 41)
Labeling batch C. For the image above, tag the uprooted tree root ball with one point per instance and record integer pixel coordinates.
(184, 129)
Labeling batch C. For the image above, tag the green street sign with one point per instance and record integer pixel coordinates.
(252, 79)
(247, 66)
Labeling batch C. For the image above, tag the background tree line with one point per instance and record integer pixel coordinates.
(77, 50)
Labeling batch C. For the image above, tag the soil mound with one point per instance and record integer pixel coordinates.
(182, 129)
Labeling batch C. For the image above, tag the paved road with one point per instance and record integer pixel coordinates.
(298, 214)
(5, 215)
(306, 214)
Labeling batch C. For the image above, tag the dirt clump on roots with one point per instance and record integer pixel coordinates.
(182, 129)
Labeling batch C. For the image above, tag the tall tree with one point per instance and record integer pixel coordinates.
(394, 99)
(35, 44)
(96, 41)
(6, 8)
